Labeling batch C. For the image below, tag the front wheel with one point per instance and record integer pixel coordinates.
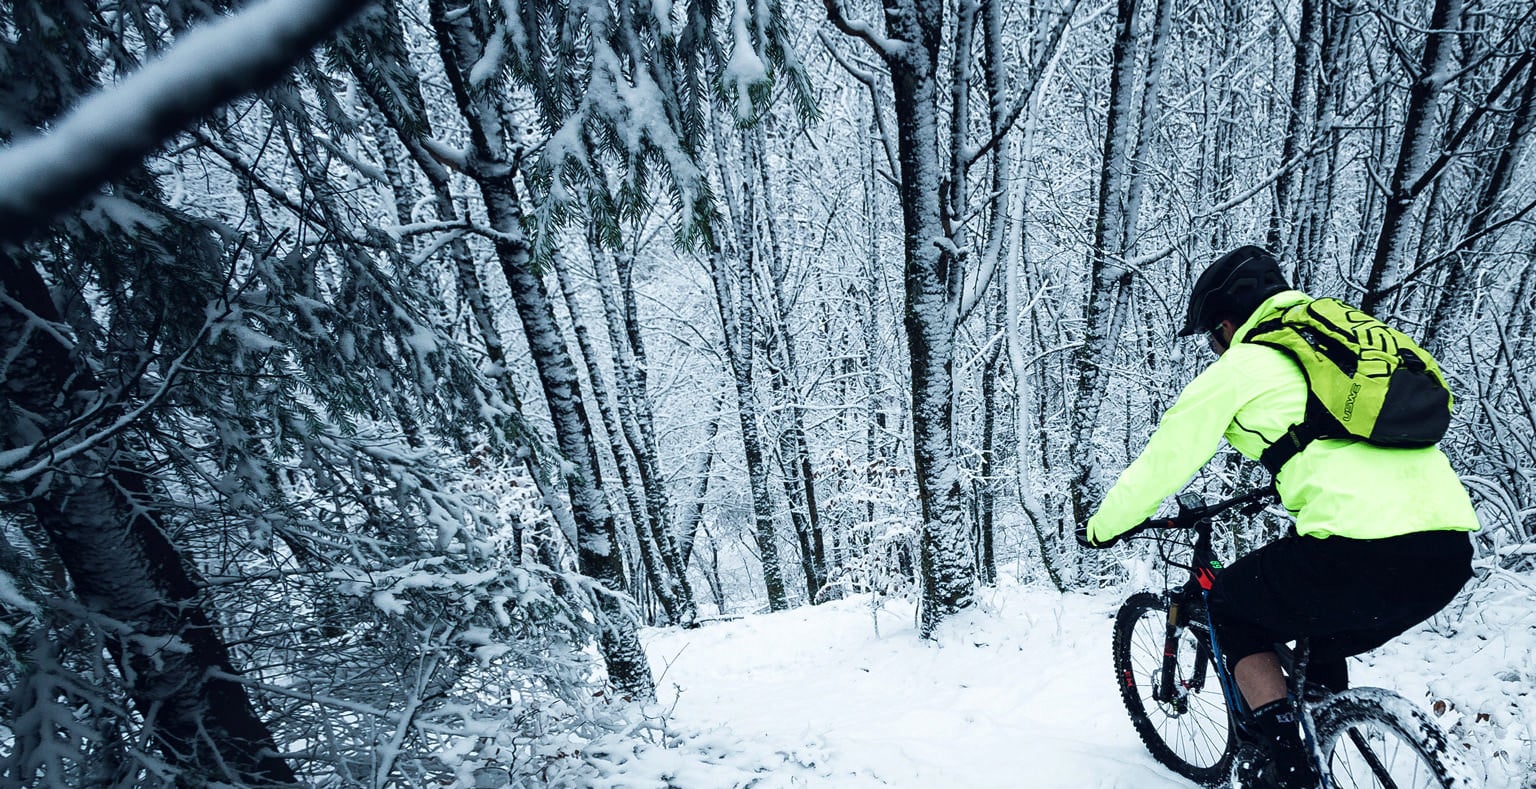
(1168, 682)
(1375, 738)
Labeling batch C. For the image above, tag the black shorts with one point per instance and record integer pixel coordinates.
(1346, 596)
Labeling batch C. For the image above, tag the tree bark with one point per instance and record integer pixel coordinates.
(644, 525)
(1109, 280)
(637, 420)
(1455, 293)
(933, 284)
(795, 455)
(394, 88)
(733, 290)
(693, 506)
(1298, 128)
(597, 544)
(1419, 125)
(948, 577)
(986, 486)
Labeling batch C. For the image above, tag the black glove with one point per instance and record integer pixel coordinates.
(1081, 532)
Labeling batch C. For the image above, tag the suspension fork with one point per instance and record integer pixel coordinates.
(1168, 688)
(1165, 689)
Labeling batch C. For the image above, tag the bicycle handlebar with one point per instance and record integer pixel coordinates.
(1190, 517)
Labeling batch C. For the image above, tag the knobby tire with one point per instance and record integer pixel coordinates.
(1403, 743)
(1195, 738)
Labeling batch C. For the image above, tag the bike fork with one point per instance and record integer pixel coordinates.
(1166, 688)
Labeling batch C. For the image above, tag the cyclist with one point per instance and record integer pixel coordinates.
(1380, 541)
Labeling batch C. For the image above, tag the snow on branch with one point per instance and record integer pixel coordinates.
(857, 28)
(118, 126)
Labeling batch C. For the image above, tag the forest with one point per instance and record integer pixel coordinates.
(372, 374)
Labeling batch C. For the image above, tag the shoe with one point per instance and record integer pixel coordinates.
(1284, 762)
(1252, 768)
(1274, 776)
(1247, 764)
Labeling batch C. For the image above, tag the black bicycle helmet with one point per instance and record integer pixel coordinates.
(1233, 286)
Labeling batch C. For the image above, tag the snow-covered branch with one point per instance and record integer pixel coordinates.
(862, 30)
(112, 130)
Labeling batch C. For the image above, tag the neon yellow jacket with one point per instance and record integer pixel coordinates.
(1249, 396)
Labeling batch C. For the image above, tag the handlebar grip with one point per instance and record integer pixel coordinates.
(1155, 523)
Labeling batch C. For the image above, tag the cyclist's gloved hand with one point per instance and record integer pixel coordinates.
(1087, 542)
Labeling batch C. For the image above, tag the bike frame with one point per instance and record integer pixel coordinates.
(1188, 605)
(1203, 567)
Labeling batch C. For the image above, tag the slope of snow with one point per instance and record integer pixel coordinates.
(1017, 692)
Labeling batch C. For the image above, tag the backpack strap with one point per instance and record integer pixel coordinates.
(1296, 438)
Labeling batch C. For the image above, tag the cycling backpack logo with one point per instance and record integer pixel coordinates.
(1365, 380)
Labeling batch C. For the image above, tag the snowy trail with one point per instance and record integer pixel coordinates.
(1019, 694)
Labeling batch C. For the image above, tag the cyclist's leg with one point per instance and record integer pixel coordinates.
(1270, 596)
(1261, 599)
(1346, 596)
(1364, 592)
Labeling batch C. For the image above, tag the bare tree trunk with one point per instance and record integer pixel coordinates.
(597, 536)
(932, 198)
(1419, 135)
(638, 422)
(693, 507)
(403, 107)
(876, 452)
(644, 526)
(944, 552)
(799, 479)
(733, 289)
(986, 486)
(730, 269)
(1110, 280)
(1455, 293)
(1318, 182)
(1298, 128)
(739, 320)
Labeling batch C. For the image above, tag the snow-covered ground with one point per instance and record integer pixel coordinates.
(1016, 693)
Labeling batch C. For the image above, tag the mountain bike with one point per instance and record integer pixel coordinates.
(1186, 707)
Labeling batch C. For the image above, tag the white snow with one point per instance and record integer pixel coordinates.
(491, 61)
(745, 68)
(1017, 693)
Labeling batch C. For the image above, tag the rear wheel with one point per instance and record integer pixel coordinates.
(1375, 738)
(1169, 685)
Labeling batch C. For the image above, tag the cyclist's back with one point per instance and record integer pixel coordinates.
(1250, 395)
